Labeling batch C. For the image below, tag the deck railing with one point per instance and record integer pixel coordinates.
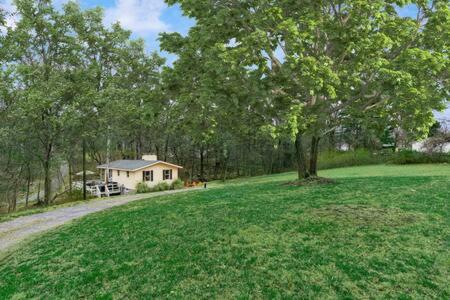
(100, 189)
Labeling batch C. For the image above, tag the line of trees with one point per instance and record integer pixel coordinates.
(257, 87)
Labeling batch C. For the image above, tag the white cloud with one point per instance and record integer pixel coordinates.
(139, 16)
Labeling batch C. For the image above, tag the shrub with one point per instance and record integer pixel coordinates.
(338, 159)
(162, 186)
(404, 157)
(177, 184)
(142, 187)
(75, 195)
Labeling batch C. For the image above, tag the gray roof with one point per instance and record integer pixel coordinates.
(131, 165)
(128, 164)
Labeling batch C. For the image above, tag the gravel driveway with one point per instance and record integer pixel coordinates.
(15, 231)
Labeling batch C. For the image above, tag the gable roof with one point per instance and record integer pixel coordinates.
(133, 165)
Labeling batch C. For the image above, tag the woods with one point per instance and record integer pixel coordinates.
(257, 87)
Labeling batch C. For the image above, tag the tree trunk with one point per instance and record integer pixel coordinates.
(238, 164)
(314, 156)
(224, 170)
(14, 203)
(216, 165)
(39, 193)
(47, 183)
(193, 164)
(8, 198)
(47, 180)
(202, 164)
(301, 157)
(166, 148)
(27, 196)
(332, 141)
(208, 169)
(70, 176)
(84, 170)
(158, 153)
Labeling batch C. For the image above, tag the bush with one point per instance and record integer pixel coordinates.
(142, 187)
(162, 186)
(405, 157)
(177, 184)
(75, 195)
(338, 159)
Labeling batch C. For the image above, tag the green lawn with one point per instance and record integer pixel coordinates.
(379, 232)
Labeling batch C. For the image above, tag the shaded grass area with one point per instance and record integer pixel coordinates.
(380, 231)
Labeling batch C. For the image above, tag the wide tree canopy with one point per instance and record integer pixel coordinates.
(326, 61)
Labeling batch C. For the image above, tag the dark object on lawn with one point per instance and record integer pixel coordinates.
(201, 179)
(204, 185)
(311, 181)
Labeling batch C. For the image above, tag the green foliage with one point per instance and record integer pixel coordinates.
(404, 157)
(142, 187)
(434, 129)
(162, 186)
(74, 195)
(318, 64)
(177, 184)
(360, 157)
(338, 159)
(391, 218)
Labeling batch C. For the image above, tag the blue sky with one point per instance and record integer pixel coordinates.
(158, 16)
(145, 18)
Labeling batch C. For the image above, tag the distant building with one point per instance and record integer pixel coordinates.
(421, 146)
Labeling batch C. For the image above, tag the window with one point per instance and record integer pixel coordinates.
(128, 173)
(147, 176)
(109, 174)
(118, 172)
(167, 174)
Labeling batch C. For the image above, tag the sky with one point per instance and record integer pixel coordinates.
(147, 18)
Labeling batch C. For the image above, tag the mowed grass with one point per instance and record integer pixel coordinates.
(379, 232)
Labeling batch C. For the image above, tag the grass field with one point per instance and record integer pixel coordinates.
(379, 232)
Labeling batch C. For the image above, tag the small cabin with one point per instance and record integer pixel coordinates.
(149, 169)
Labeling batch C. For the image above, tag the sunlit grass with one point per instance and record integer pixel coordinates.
(379, 232)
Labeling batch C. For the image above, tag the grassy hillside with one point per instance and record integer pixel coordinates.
(380, 231)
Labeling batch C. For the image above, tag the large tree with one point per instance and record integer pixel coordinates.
(40, 50)
(327, 60)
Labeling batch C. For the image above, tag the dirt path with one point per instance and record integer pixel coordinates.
(15, 231)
